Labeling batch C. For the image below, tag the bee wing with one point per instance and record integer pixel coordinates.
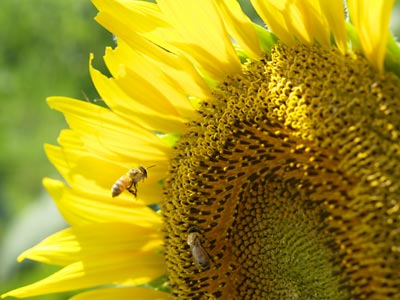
(200, 257)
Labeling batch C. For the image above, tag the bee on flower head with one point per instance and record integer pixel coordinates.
(199, 254)
(129, 181)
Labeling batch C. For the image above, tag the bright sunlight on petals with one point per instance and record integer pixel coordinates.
(97, 240)
(202, 36)
(81, 208)
(123, 294)
(333, 11)
(84, 274)
(295, 21)
(240, 27)
(371, 19)
(101, 129)
(193, 28)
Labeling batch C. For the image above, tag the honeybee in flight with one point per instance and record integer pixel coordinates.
(129, 181)
(200, 255)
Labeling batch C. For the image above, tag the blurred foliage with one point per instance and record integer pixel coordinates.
(44, 51)
(395, 20)
(45, 46)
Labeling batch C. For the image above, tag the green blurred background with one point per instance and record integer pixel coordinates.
(45, 46)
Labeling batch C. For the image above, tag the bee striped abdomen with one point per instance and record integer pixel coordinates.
(120, 185)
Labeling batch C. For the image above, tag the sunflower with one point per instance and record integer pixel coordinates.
(276, 153)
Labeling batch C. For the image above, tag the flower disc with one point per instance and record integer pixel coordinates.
(291, 176)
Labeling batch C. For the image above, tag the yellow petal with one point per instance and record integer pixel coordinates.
(371, 20)
(192, 28)
(123, 294)
(104, 132)
(139, 268)
(146, 113)
(275, 19)
(316, 25)
(295, 20)
(128, 66)
(95, 241)
(334, 13)
(122, 21)
(94, 206)
(203, 36)
(84, 170)
(128, 18)
(240, 27)
(173, 73)
(71, 161)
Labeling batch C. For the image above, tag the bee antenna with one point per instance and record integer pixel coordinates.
(85, 96)
(151, 166)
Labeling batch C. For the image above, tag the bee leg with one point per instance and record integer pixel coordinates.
(132, 189)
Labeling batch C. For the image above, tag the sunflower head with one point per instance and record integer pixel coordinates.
(278, 171)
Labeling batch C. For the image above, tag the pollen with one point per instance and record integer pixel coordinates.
(291, 176)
